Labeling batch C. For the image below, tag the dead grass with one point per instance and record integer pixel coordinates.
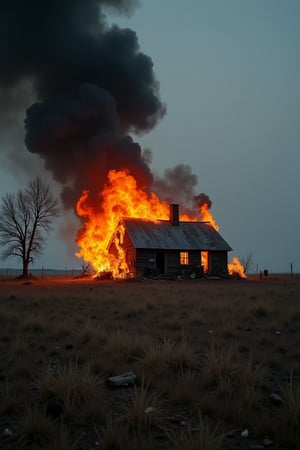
(218, 347)
(169, 353)
(71, 381)
(33, 428)
(203, 436)
(143, 409)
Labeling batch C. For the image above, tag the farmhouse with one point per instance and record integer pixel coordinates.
(170, 247)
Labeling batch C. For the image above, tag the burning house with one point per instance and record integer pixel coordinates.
(170, 247)
(92, 87)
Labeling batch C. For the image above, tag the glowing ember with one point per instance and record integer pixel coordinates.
(121, 197)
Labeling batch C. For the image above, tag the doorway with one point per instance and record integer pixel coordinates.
(160, 263)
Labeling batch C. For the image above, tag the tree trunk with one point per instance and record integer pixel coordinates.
(25, 269)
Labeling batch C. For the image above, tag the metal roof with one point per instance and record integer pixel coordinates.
(161, 234)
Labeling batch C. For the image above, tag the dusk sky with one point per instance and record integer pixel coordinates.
(229, 76)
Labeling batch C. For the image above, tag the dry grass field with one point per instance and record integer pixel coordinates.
(217, 364)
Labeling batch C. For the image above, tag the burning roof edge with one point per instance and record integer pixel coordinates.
(161, 234)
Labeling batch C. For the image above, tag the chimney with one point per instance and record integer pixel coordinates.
(174, 215)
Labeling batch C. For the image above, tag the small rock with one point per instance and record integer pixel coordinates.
(149, 409)
(276, 399)
(245, 433)
(7, 432)
(267, 442)
(126, 379)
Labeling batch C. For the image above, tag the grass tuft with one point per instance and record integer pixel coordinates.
(169, 353)
(202, 437)
(72, 383)
(33, 429)
(143, 410)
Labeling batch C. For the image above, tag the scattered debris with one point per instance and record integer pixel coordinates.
(276, 399)
(104, 275)
(126, 379)
(245, 433)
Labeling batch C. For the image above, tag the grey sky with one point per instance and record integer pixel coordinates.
(229, 74)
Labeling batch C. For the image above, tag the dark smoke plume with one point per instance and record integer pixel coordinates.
(202, 199)
(178, 186)
(92, 83)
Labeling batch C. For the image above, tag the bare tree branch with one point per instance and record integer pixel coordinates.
(248, 262)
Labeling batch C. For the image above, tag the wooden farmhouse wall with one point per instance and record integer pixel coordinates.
(217, 263)
(152, 262)
(146, 261)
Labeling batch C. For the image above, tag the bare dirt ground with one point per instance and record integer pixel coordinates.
(217, 364)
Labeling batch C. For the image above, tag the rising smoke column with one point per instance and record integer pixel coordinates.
(92, 83)
(93, 86)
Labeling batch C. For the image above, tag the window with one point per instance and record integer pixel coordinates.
(184, 258)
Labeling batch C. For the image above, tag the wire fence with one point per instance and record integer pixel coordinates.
(12, 273)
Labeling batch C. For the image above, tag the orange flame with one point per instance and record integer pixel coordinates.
(207, 216)
(121, 197)
(236, 268)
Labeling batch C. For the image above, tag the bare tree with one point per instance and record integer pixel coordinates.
(248, 262)
(25, 220)
(86, 269)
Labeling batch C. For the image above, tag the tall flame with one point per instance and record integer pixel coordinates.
(121, 197)
(236, 268)
(207, 216)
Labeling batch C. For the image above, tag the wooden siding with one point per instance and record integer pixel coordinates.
(146, 262)
(217, 263)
